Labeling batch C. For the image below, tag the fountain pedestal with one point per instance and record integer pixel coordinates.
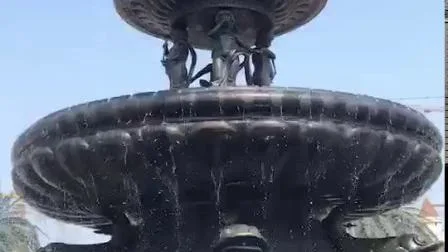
(225, 168)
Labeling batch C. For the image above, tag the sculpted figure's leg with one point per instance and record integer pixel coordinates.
(234, 69)
(264, 68)
(263, 60)
(219, 70)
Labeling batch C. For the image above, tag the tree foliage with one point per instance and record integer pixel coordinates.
(16, 233)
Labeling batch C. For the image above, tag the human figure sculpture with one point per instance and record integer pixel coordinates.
(226, 53)
(263, 60)
(224, 61)
(175, 60)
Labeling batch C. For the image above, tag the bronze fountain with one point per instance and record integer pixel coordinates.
(221, 167)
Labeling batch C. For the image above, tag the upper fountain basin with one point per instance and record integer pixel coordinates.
(157, 17)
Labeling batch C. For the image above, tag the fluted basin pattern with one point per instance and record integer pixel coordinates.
(155, 17)
(225, 147)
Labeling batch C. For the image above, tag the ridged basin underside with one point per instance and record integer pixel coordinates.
(156, 17)
(249, 155)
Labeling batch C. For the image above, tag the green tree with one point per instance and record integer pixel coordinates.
(16, 233)
(395, 223)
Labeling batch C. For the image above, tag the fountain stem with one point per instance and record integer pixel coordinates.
(241, 238)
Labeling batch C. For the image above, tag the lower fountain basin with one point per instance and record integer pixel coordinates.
(235, 155)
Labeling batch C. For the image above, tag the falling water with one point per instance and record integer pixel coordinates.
(355, 161)
(309, 218)
(386, 188)
(173, 186)
(95, 192)
(263, 174)
(267, 191)
(321, 166)
(354, 182)
(314, 247)
(133, 209)
(263, 185)
(217, 175)
(402, 195)
(400, 164)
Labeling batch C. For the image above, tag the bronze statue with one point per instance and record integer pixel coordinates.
(175, 59)
(226, 53)
(263, 59)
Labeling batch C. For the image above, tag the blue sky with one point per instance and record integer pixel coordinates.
(55, 54)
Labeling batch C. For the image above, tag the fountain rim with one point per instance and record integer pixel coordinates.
(190, 94)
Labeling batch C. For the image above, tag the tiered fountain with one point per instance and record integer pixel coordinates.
(222, 167)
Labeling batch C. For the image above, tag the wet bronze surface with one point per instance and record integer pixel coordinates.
(155, 17)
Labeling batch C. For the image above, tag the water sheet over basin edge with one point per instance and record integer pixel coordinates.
(287, 116)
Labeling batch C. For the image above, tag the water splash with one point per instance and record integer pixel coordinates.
(217, 176)
(133, 206)
(170, 181)
(265, 191)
